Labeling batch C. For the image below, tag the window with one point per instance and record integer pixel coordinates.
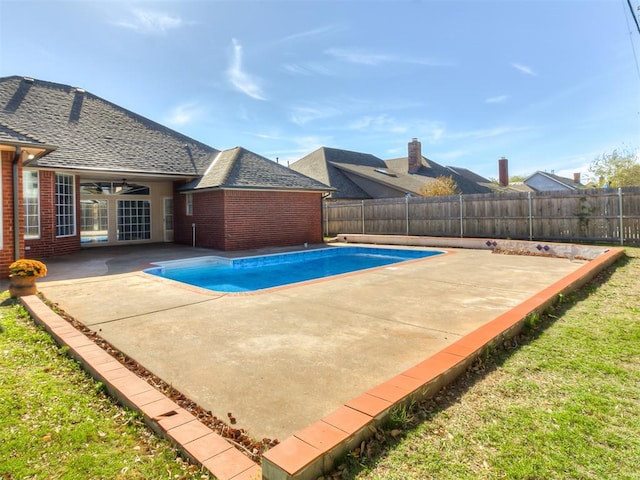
(189, 204)
(94, 221)
(113, 188)
(134, 220)
(65, 206)
(31, 200)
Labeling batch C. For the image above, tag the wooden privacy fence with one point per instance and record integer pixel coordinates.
(595, 215)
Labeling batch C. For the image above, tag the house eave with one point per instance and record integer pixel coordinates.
(115, 174)
(256, 189)
(38, 150)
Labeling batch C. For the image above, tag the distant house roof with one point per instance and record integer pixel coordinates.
(239, 168)
(94, 134)
(361, 175)
(469, 175)
(542, 181)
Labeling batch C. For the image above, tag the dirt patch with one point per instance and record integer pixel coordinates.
(530, 253)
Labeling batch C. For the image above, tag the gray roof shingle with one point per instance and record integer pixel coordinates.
(10, 136)
(322, 164)
(92, 133)
(240, 168)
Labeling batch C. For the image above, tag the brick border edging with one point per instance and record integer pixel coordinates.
(165, 417)
(311, 452)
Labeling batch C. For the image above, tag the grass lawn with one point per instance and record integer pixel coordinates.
(561, 401)
(56, 423)
(564, 402)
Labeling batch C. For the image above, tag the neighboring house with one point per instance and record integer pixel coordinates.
(356, 175)
(78, 171)
(545, 182)
(473, 177)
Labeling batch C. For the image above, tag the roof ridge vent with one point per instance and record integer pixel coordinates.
(28, 79)
(80, 90)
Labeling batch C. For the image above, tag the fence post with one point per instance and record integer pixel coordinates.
(621, 216)
(461, 217)
(530, 217)
(406, 212)
(362, 210)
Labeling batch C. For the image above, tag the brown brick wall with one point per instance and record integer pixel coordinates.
(48, 245)
(208, 215)
(6, 254)
(240, 220)
(266, 219)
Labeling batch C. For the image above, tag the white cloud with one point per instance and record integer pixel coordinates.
(307, 69)
(453, 154)
(314, 32)
(498, 99)
(304, 114)
(487, 133)
(151, 22)
(239, 78)
(524, 69)
(370, 58)
(378, 123)
(184, 114)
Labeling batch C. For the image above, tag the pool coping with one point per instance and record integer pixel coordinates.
(310, 452)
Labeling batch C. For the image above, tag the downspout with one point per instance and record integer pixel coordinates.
(16, 205)
(324, 217)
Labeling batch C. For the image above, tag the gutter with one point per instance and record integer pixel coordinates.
(16, 205)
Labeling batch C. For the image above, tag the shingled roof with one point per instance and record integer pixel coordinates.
(322, 165)
(239, 168)
(94, 134)
(9, 136)
(352, 174)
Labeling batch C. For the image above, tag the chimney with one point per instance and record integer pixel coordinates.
(576, 177)
(503, 172)
(415, 155)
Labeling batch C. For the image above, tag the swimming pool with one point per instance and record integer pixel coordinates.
(248, 274)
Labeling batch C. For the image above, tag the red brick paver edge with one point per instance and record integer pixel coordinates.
(311, 452)
(198, 442)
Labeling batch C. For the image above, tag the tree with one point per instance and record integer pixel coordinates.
(440, 187)
(616, 169)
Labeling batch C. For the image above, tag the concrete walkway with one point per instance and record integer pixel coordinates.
(283, 359)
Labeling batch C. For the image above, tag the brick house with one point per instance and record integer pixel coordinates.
(81, 172)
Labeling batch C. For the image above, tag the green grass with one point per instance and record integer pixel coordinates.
(56, 422)
(561, 402)
(564, 403)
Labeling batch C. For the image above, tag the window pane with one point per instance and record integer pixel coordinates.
(65, 206)
(94, 221)
(31, 197)
(134, 220)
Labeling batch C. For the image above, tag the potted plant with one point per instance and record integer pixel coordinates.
(23, 274)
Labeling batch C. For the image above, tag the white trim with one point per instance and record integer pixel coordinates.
(73, 204)
(25, 171)
(189, 204)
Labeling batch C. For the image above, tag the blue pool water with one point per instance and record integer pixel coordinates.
(248, 274)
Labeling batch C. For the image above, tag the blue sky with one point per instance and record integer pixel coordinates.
(548, 84)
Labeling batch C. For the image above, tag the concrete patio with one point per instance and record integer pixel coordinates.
(283, 359)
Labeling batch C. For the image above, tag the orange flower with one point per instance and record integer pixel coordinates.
(28, 268)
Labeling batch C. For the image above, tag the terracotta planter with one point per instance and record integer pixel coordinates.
(20, 286)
